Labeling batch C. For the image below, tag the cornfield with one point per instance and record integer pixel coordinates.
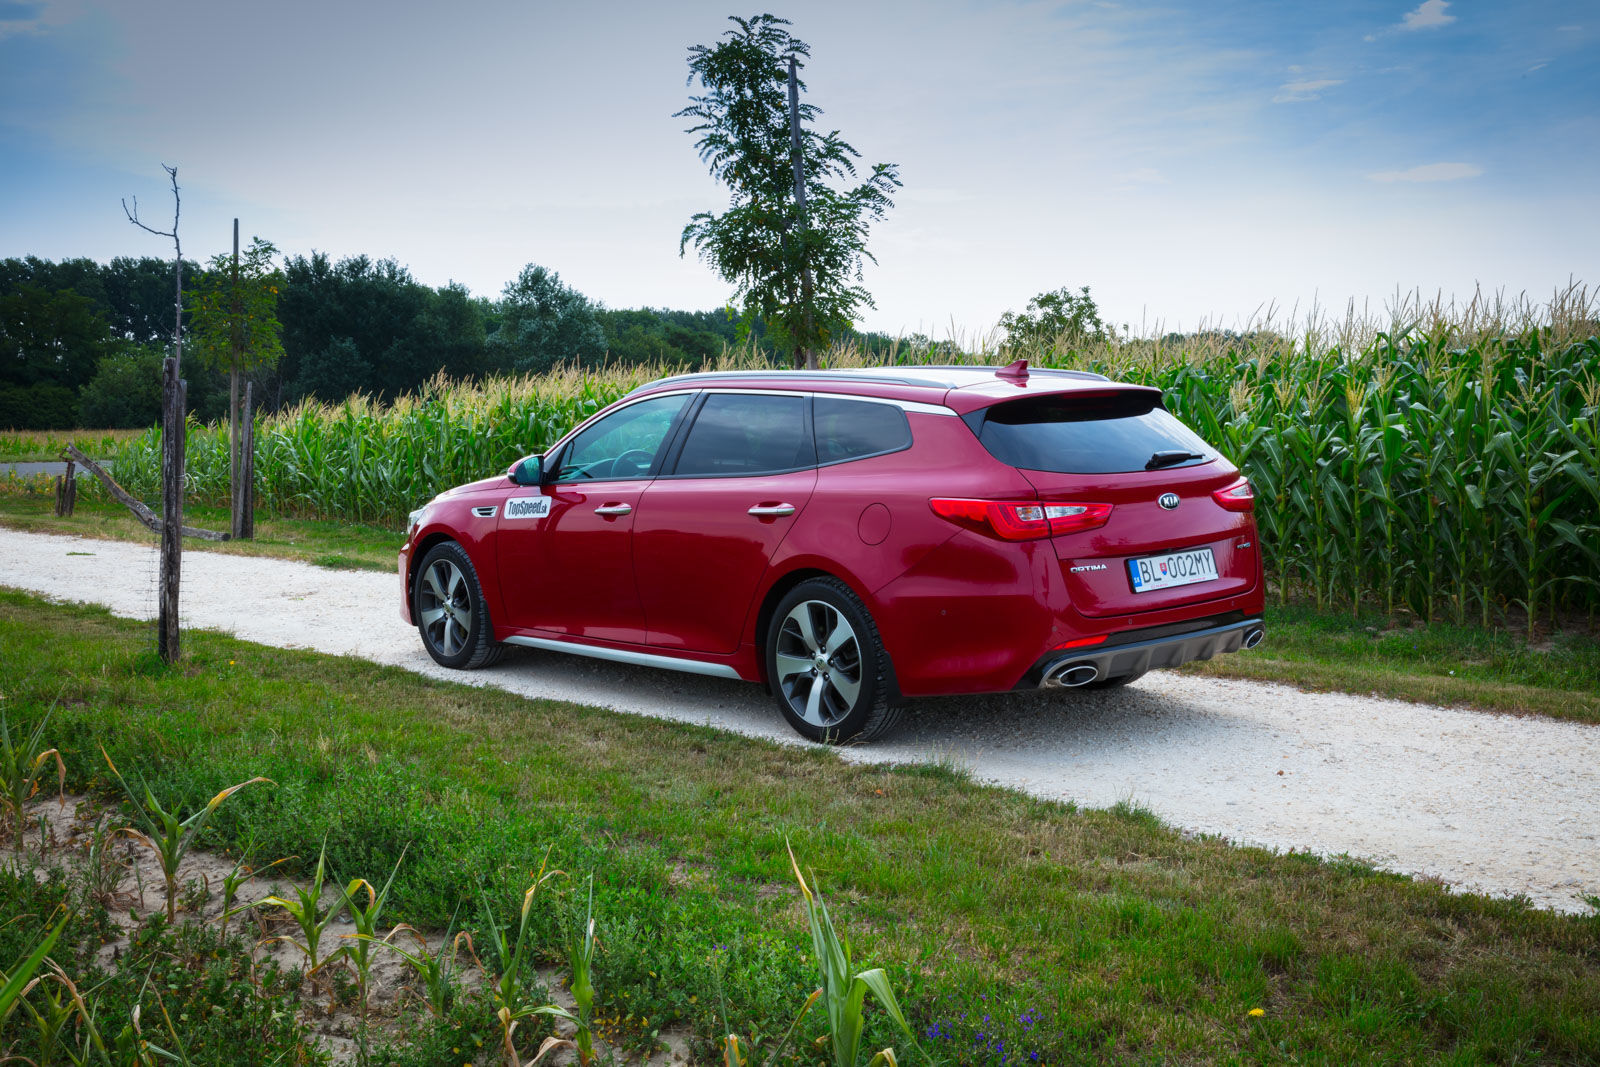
(1447, 463)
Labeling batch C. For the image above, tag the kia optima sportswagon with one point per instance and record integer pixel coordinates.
(853, 538)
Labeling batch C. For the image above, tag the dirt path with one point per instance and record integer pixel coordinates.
(1492, 803)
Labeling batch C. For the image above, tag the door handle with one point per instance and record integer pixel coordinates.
(614, 509)
(766, 511)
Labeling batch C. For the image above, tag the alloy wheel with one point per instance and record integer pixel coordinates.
(445, 607)
(818, 661)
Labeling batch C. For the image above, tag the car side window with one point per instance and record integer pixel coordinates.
(747, 433)
(851, 429)
(625, 444)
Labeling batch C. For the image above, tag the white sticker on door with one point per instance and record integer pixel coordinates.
(528, 507)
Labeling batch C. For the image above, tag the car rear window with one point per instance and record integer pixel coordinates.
(1098, 433)
(747, 433)
(851, 429)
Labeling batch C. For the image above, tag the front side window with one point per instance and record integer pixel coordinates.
(625, 444)
(747, 433)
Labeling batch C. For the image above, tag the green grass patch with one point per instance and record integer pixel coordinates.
(1436, 663)
(1011, 927)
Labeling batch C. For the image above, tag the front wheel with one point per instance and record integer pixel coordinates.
(451, 614)
(827, 665)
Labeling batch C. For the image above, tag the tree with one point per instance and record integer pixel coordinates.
(795, 260)
(233, 313)
(543, 323)
(1056, 319)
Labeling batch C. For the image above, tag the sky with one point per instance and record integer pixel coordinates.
(1193, 163)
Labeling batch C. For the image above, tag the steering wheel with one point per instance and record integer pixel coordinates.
(635, 460)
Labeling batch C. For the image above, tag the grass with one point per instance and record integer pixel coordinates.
(327, 544)
(1434, 663)
(1012, 927)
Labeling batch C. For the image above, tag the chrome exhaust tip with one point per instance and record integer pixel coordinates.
(1071, 675)
(1253, 638)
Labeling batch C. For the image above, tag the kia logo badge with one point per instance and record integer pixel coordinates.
(1168, 500)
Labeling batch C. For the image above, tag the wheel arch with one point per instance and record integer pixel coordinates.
(418, 551)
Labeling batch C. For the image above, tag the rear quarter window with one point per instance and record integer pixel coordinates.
(1102, 433)
(853, 429)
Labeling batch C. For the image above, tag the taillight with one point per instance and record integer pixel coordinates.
(1240, 496)
(1021, 520)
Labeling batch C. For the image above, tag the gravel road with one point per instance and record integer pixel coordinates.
(1491, 803)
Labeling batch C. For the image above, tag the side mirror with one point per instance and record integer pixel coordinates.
(528, 471)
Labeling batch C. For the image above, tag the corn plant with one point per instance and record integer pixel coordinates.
(22, 764)
(843, 993)
(508, 990)
(164, 834)
(359, 949)
(312, 914)
(581, 952)
(236, 879)
(14, 984)
(437, 971)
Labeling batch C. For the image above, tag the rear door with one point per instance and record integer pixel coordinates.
(1094, 447)
(705, 532)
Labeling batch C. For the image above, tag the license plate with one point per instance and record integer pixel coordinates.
(1172, 569)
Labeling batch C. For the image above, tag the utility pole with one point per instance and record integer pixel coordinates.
(804, 349)
(237, 313)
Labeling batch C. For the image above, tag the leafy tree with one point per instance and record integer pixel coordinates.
(1053, 320)
(402, 332)
(125, 392)
(543, 323)
(233, 316)
(799, 268)
(46, 336)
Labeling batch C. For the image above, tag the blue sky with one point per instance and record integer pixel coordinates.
(1190, 162)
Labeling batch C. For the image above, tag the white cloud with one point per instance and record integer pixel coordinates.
(1430, 15)
(1431, 172)
(1295, 92)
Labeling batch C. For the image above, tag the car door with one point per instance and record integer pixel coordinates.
(565, 553)
(704, 533)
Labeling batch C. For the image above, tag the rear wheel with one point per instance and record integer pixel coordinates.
(827, 665)
(451, 615)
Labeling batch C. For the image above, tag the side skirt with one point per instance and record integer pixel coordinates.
(637, 659)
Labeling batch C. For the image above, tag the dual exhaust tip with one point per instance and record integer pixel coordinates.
(1073, 673)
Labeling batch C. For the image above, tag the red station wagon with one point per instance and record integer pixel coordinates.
(852, 538)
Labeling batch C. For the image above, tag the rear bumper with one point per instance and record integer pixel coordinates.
(1069, 667)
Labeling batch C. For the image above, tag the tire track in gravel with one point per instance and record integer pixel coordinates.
(1490, 803)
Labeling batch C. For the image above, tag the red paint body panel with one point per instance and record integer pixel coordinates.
(700, 556)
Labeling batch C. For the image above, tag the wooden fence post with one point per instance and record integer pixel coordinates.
(247, 466)
(173, 432)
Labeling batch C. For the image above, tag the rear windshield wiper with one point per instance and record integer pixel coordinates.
(1167, 457)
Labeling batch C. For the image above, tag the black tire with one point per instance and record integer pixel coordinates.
(1114, 683)
(829, 694)
(451, 614)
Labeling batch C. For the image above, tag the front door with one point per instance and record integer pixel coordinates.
(565, 547)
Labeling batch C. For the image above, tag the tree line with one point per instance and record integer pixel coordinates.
(81, 341)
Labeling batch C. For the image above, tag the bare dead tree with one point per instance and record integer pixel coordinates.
(172, 437)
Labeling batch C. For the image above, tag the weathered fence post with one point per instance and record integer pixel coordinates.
(173, 432)
(244, 492)
(66, 491)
